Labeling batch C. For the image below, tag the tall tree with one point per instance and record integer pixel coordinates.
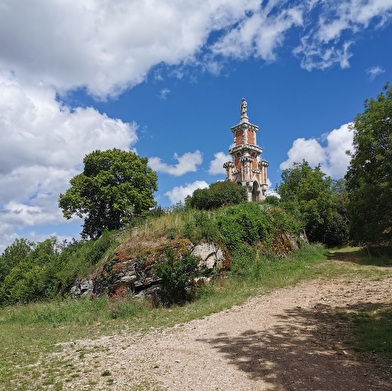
(369, 176)
(319, 200)
(114, 186)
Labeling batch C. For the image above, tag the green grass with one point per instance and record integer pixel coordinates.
(29, 333)
(372, 329)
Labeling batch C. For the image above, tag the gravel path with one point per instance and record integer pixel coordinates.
(281, 341)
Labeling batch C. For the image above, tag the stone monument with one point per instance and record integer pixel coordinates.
(246, 166)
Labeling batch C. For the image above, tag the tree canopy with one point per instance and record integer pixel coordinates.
(114, 186)
(218, 194)
(320, 200)
(369, 176)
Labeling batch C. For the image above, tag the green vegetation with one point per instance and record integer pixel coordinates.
(369, 177)
(114, 186)
(176, 275)
(321, 202)
(30, 333)
(218, 194)
(37, 271)
(46, 270)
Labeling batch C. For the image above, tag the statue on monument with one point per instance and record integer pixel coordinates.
(243, 108)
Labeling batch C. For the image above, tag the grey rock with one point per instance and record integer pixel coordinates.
(210, 255)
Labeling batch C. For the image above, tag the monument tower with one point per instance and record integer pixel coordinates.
(246, 168)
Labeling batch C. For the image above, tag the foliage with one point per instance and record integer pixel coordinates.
(12, 255)
(37, 271)
(201, 225)
(217, 195)
(46, 269)
(114, 186)
(177, 275)
(369, 176)
(321, 201)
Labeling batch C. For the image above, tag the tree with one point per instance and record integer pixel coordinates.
(219, 194)
(114, 186)
(369, 176)
(14, 254)
(320, 201)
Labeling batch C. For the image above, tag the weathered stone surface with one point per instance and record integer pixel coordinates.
(210, 255)
(82, 288)
(137, 275)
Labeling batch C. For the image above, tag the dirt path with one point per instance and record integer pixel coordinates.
(285, 340)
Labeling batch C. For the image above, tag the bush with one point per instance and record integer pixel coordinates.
(217, 195)
(176, 275)
(48, 268)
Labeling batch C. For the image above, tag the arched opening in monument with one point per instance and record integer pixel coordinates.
(255, 192)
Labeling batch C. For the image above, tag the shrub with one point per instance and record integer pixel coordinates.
(176, 274)
(217, 195)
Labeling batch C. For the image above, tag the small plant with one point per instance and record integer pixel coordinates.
(176, 275)
(106, 373)
(171, 233)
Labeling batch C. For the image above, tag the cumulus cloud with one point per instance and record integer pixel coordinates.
(332, 157)
(42, 145)
(108, 47)
(105, 46)
(216, 165)
(179, 193)
(188, 162)
(374, 72)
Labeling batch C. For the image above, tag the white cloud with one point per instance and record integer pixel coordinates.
(374, 72)
(107, 46)
(328, 41)
(339, 141)
(179, 193)
(261, 33)
(163, 93)
(188, 162)
(310, 150)
(216, 165)
(332, 158)
(272, 193)
(42, 146)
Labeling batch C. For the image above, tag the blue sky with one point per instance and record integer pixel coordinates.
(165, 78)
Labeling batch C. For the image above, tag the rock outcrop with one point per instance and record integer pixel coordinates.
(137, 275)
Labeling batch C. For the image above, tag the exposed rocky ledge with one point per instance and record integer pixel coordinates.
(137, 274)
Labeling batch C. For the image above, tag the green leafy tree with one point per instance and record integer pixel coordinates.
(114, 186)
(33, 276)
(320, 201)
(218, 194)
(369, 176)
(13, 255)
